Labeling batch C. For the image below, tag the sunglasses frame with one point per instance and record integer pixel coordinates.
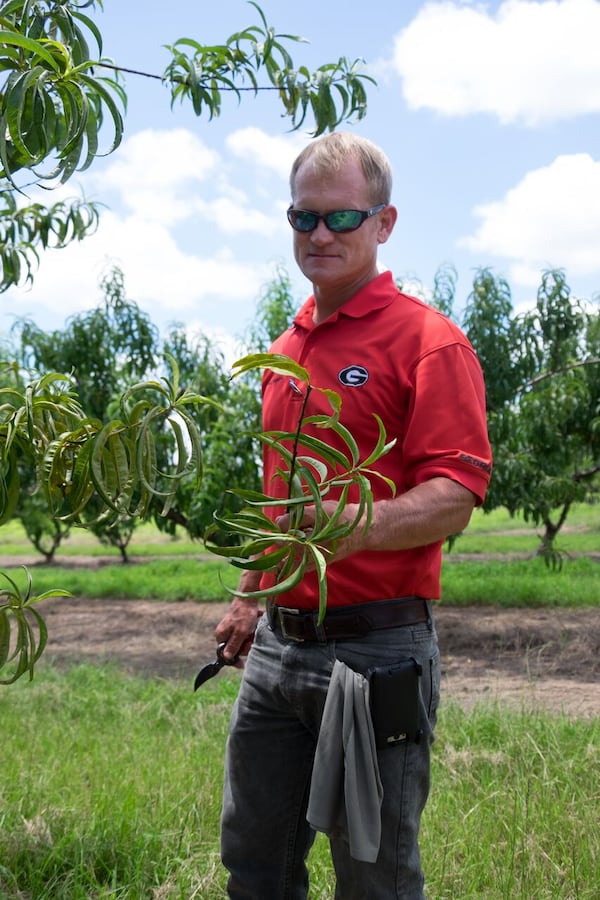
(364, 215)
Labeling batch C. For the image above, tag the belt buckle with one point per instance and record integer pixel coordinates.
(283, 611)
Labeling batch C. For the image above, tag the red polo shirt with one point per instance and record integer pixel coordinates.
(388, 353)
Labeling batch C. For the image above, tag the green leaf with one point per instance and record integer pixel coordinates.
(381, 447)
(330, 454)
(104, 444)
(9, 487)
(320, 564)
(4, 636)
(281, 587)
(266, 562)
(14, 39)
(276, 362)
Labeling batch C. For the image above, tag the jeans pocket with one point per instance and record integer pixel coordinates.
(430, 687)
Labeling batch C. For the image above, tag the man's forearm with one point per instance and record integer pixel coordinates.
(248, 583)
(424, 515)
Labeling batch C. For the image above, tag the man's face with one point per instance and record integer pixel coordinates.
(338, 262)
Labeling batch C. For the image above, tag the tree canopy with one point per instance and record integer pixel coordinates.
(59, 96)
(542, 374)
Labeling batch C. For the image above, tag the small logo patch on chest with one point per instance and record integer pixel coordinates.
(353, 376)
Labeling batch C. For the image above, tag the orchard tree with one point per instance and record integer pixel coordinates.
(542, 376)
(542, 372)
(231, 454)
(227, 457)
(106, 350)
(275, 309)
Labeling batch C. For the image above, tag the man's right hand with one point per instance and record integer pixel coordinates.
(236, 628)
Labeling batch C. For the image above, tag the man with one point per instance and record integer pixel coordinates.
(387, 353)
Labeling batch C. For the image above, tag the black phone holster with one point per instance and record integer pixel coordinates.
(394, 691)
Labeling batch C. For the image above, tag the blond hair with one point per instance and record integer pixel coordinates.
(330, 152)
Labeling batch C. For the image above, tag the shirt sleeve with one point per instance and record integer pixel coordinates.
(446, 433)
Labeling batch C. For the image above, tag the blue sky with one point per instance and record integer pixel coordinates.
(489, 112)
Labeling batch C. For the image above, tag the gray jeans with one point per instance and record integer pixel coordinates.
(265, 838)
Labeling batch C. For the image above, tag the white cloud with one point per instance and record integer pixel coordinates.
(165, 157)
(233, 216)
(551, 218)
(159, 275)
(528, 62)
(188, 225)
(155, 172)
(274, 153)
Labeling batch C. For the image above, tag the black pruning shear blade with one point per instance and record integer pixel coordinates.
(213, 668)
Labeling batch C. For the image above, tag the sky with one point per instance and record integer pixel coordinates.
(488, 111)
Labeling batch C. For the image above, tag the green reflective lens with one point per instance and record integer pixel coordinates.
(304, 221)
(344, 220)
(340, 220)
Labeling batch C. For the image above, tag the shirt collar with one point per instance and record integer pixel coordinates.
(377, 294)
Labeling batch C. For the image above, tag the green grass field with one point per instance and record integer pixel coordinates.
(111, 784)
(179, 569)
(111, 788)
(495, 532)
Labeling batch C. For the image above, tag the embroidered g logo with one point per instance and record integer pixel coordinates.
(353, 376)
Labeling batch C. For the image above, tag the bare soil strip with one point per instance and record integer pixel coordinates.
(530, 658)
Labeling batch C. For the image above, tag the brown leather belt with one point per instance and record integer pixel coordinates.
(345, 623)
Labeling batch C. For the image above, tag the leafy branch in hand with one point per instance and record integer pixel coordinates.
(313, 471)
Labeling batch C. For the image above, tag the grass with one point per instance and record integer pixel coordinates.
(522, 583)
(158, 579)
(180, 569)
(516, 583)
(147, 541)
(513, 806)
(111, 787)
(498, 532)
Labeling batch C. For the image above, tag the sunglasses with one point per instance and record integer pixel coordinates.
(340, 221)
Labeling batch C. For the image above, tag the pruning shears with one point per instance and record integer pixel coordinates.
(211, 669)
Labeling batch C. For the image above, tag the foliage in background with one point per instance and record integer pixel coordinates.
(106, 350)
(542, 374)
(232, 460)
(275, 310)
(229, 452)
